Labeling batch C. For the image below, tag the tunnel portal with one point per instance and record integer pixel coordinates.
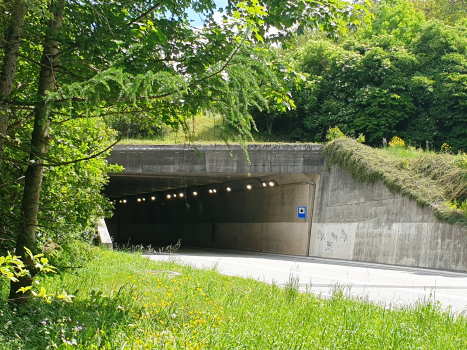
(211, 196)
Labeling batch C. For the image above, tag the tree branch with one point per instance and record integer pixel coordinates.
(81, 159)
(10, 182)
(19, 123)
(145, 13)
(34, 61)
(156, 97)
(28, 163)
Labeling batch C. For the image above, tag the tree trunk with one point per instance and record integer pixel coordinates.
(269, 125)
(40, 135)
(10, 60)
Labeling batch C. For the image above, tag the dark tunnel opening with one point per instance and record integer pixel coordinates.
(252, 213)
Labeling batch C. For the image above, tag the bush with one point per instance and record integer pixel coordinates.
(334, 133)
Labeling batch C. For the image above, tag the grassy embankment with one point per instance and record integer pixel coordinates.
(124, 301)
(432, 179)
(204, 129)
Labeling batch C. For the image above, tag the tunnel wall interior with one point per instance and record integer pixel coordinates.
(363, 222)
(261, 219)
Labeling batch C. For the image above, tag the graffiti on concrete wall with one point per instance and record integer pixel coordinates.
(334, 240)
(322, 236)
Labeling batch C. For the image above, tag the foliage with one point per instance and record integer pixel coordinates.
(125, 300)
(361, 138)
(334, 133)
(399, 75)
(449, 11)
(73, 199)
(396, 142)
(12, 268)
(435, 180)
(446, 148)
(398, 19)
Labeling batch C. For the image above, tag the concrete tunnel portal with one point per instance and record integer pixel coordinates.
(211, 196)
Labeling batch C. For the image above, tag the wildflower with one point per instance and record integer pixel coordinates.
(396, 142)
(446, 148)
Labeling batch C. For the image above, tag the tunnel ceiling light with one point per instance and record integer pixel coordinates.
(265, 184)
(181, 195)
(249, 187)
(229, 189)
(169, 196)
(153, 198)
(272, 183)
(195, 193)
(124, 201)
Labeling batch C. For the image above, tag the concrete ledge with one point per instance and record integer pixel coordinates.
(104, 236)
(223, 147)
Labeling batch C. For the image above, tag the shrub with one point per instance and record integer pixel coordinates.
(334, 133)
(397, 142)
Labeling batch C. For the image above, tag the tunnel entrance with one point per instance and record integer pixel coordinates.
(215, 196)
(267, 213)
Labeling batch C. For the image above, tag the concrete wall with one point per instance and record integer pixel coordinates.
(218, 159)
(352, 221)
(362, 222)
(263, 219)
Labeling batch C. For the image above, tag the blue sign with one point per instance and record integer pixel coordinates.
(301, 212)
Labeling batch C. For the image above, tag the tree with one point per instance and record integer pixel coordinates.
(10, 42)
(400, 75)
(103, 59)
(449, 11)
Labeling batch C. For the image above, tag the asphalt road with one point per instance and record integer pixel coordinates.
(385, 284)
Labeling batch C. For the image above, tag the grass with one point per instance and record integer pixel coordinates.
(204, 129)
(432, 179)
(125, 301)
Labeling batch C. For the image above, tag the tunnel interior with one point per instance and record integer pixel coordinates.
(268, 212)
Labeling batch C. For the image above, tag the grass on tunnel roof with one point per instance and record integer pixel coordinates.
(432, 179)
(205, 129)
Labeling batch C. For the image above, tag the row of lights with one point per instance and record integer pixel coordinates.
(211, 191)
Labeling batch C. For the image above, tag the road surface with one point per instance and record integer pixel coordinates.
(385, 284)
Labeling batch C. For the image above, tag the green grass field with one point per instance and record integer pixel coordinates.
(125, 301)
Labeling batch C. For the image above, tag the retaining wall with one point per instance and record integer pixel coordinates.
(363, 222)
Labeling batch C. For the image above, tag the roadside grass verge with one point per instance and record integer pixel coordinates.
(125, 301)
(432, 179)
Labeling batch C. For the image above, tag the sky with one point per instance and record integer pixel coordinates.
(198, 20)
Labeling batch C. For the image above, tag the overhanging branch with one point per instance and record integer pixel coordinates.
(145, 14)
(81, 159)
(156, 97)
